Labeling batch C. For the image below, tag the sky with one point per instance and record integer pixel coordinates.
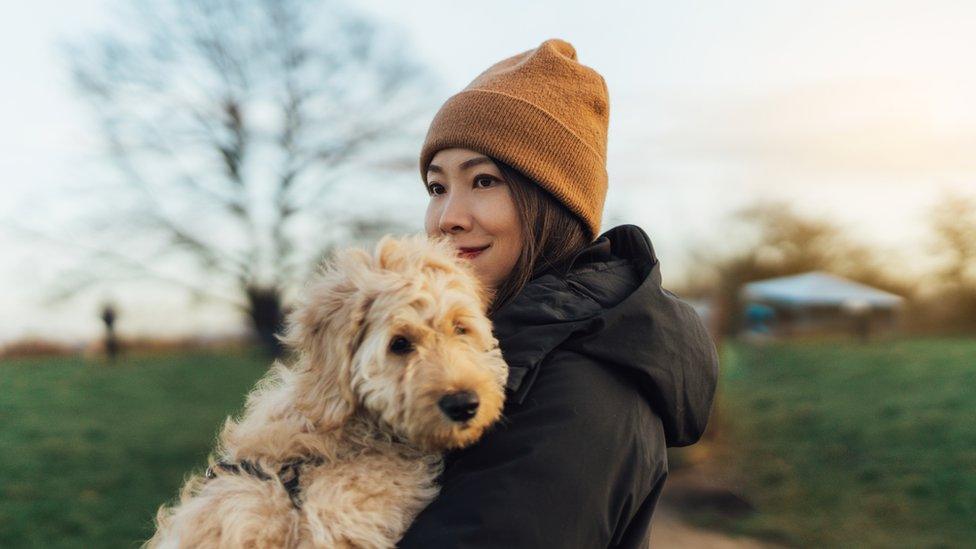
(860, 111)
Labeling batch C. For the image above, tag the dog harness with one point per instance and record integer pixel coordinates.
(288, 473)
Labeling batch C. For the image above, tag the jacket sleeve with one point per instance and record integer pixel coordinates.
(571, 466)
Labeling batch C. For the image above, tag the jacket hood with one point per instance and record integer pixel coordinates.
(608, 305)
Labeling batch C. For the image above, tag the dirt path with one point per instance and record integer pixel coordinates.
(668, 531)
(685, 491)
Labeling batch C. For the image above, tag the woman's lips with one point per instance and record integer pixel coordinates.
(471, 253)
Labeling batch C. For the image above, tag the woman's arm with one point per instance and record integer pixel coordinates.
(572, 466)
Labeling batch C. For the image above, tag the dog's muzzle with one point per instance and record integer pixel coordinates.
(460, 406)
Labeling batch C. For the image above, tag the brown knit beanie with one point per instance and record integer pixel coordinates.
(541, 112)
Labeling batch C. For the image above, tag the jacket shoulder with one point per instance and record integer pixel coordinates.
(602, 402)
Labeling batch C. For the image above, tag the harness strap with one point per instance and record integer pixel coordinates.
(288, 474)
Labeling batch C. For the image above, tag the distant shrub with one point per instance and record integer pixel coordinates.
(36, 347)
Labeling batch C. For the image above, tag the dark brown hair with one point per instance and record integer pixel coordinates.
(551, 235)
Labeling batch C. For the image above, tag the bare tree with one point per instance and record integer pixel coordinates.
(953, 223)
(233, 124)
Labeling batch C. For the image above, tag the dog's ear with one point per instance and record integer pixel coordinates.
(326, 331)
(442, 254)
(416, 251)
(390, 253)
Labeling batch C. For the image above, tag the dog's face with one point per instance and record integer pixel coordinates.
(402, 336)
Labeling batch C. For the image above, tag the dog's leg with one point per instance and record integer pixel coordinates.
(367, 503)
(228, 511)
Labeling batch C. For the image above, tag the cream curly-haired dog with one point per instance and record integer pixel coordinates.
(394, 363)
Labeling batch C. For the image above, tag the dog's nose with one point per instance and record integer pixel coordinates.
(460, 406)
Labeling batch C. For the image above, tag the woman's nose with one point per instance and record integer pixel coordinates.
(455, 217)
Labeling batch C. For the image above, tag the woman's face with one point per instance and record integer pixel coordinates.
(472, 204)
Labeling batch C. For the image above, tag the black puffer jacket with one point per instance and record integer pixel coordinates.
(607, 369)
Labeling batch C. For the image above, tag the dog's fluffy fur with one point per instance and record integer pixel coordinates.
(353, 398)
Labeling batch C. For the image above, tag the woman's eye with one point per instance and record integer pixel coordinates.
(484, 178)
(400, 345)
(435, 188)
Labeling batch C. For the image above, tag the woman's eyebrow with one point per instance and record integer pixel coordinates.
(471, 162)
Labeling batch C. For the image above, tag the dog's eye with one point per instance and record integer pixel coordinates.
(401, 345)
(459, 330)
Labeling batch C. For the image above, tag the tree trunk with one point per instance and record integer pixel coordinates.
(267, 317)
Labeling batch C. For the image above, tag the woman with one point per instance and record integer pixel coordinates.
(607, 369)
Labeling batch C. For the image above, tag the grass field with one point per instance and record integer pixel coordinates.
(88, 451)
(849, 445)
(839, 445)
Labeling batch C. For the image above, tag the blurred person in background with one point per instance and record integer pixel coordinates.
(607, 368)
